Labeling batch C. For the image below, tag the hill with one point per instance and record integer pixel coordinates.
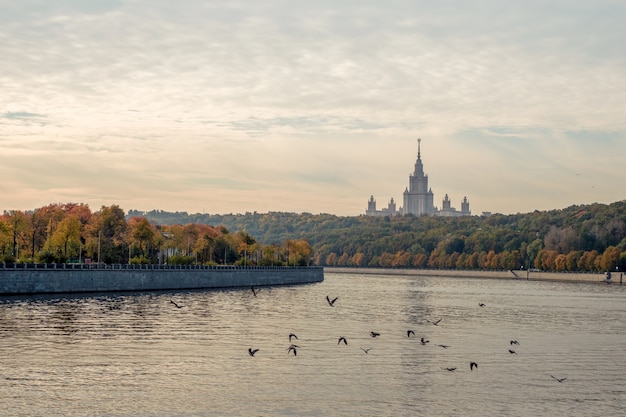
(573, 238)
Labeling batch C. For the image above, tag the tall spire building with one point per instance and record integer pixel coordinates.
(418, 198)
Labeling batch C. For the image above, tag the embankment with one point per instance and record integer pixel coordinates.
(50, 279)
(510, 274)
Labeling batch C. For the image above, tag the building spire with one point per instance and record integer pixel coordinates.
(418, 147)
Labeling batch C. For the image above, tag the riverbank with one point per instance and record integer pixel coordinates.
(21, 279)
(616, 277)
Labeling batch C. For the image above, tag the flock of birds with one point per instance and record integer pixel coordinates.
(293, 348)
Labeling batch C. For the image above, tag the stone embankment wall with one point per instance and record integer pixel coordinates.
(510, 274)
(49, 279)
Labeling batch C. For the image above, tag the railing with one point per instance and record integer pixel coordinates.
(101, 266)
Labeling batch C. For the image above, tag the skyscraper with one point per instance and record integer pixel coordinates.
(418, 198)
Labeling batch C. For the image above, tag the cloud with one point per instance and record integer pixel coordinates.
(322, 100)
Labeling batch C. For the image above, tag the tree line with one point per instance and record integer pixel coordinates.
(588, 238)
(581, 238)
(73, 233)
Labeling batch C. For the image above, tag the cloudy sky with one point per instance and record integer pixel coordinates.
(302, 106)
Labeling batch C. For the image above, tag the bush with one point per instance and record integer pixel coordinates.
(180, 260)
(46, 257)
(10, 259)
(139, 260)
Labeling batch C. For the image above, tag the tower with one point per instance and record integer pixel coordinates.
(465, 210)
(418, 198)
(446, 203)
(371, 207)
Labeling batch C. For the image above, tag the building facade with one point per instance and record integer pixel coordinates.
(418, 197)
(389, 211)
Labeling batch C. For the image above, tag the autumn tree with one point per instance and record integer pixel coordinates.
(610, 259)
(65, 241)
(357, 259)
(143, 235)
(106, 235)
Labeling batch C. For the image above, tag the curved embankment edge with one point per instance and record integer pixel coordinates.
(53, 279)
(616, 277)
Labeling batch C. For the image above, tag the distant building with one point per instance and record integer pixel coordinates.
(389, 211)
(418, 198)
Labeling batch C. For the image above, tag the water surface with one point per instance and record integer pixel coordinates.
(138, 355)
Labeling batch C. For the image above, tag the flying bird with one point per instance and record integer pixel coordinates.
(558, 379)
(331, 302)
(514, 342)
(251, 351)
(293, 348)
(444, 346)
(473, 365)
(436, 322)
(255, 292)
(481, 304)
(424, 341)
(512, 352)
(292, 335)
(450, 369)
(174, 302)
(409, 333)
(374, 334)
(342, 339)
(366, 350)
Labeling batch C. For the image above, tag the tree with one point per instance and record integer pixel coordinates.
(562, 240)
(358, 259)
(419, 260)
(6, 247)
(610, 259)
(401, 259)
(587, 261)
(17, 225)
(66, 237)
(142, 234)
(560, 263)
(533, 251)
(572, 259)
(106, 236)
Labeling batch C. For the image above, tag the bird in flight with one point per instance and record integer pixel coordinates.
(409, 333)
(255, 292)
(292, 335)
(251, 351)
(374, 334)
(436, 322)
(512, 352)
(514, 342)
(558, 379)
(293, 348)
(450, 369)
(342, 339)
(473, 365)
(174, 302)
(424, 341)
(331, 302)
(444, 346)
(481, 304)
(366, 350)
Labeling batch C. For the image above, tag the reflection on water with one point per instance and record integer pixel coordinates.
(139, 355)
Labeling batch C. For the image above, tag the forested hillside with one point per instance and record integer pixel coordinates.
(577, 238)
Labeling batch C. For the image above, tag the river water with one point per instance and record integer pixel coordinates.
(139, 355)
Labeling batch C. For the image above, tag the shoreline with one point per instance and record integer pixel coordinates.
(616, 277)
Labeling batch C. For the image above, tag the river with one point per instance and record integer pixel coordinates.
(137, 354)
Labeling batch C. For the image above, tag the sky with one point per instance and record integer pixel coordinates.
(300, 106)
